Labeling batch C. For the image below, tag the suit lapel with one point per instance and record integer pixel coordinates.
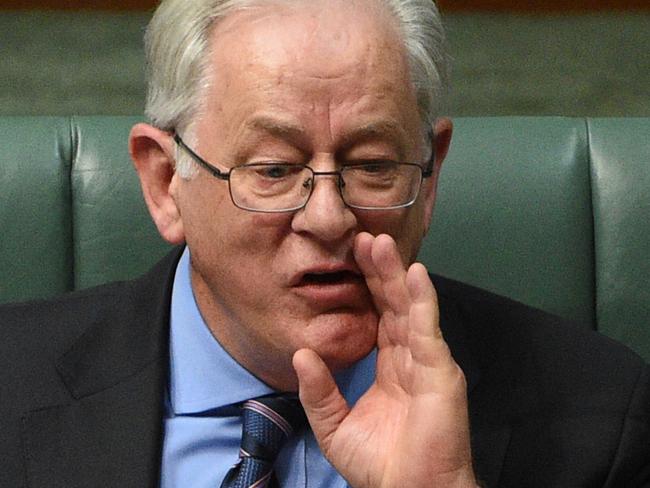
(111, 439)
(110, 433)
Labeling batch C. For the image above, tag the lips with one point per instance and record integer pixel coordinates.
(331, 287)
(326, 274)
(329, 278)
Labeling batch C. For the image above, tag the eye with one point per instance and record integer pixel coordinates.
(276, 171)
(376, 168)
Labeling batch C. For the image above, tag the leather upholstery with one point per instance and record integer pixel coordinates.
(620, 172)
(35, 207)
(513, 213)
(113, 236)
(549, 211)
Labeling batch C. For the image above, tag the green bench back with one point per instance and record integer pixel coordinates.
(553, 212)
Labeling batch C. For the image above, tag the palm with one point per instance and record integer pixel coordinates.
(411, 426)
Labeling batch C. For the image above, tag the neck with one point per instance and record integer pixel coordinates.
(257, 355)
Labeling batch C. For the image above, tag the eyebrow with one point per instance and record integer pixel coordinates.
(284, 129)
(384, 129)
(279, 128)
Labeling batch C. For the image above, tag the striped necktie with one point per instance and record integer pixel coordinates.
(267, 422)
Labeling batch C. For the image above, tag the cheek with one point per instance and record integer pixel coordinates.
(223, 238)
(209, 215)
(406, 226)
(236, 245)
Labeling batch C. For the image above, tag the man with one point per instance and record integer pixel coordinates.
(295, 148)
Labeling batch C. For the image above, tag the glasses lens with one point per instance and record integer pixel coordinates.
(269, 186)
(381, 185)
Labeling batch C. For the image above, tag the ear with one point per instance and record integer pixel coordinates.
(442, 131)
(152, 151)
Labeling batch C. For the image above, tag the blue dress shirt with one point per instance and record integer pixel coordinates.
(202, 423)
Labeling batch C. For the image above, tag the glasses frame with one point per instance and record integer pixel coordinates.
(425, 172)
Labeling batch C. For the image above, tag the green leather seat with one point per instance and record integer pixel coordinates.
(620, 175)
(35, 208)
(113, 236)
(514, 213)
(552, 212)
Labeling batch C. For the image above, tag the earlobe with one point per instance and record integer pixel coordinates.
(152, 152)
(442, 131)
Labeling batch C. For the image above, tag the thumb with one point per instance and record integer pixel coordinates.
(320, 397)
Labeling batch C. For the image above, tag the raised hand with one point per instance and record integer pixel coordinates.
(411, 428)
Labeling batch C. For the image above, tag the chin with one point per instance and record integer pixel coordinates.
(342, 339)
(338, 361)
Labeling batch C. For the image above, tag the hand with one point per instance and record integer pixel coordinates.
(411, 428)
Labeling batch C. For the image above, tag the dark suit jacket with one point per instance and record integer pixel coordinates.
(82, 381)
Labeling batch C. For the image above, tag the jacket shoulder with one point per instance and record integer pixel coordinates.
(496, 324)
(574, 403)
(35, 335)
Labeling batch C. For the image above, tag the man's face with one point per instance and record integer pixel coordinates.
(323, 83)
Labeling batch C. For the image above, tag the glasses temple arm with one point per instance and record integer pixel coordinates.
(199, 160)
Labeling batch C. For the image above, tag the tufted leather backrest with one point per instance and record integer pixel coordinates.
(553, 212)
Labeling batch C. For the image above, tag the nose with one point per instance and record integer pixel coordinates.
(325, 217)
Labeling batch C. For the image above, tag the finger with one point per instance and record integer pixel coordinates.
(425, 336)
(392, 276)
(320, 397)
(392, 273)
(363, 257)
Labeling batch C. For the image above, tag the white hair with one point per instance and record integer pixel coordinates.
(177, 50)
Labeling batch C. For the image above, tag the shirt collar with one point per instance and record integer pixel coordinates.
(203, 376)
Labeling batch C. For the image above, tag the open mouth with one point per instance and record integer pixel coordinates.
(334, 289)
(333, 278)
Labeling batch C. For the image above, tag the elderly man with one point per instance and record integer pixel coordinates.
(294, 147)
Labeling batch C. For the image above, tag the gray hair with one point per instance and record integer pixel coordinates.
(177, 47)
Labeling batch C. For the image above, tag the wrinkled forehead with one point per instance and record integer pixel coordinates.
(326, 65)
(326, 43)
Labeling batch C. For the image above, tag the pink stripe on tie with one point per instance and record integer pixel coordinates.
(270, 414)
(262, 482)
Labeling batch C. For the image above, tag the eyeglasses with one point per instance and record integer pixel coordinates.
(278, 186)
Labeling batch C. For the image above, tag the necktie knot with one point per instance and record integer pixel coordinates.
(267, 422)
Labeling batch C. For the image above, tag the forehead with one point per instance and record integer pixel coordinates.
(319, 58)
(331, 27)
(324, 37)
